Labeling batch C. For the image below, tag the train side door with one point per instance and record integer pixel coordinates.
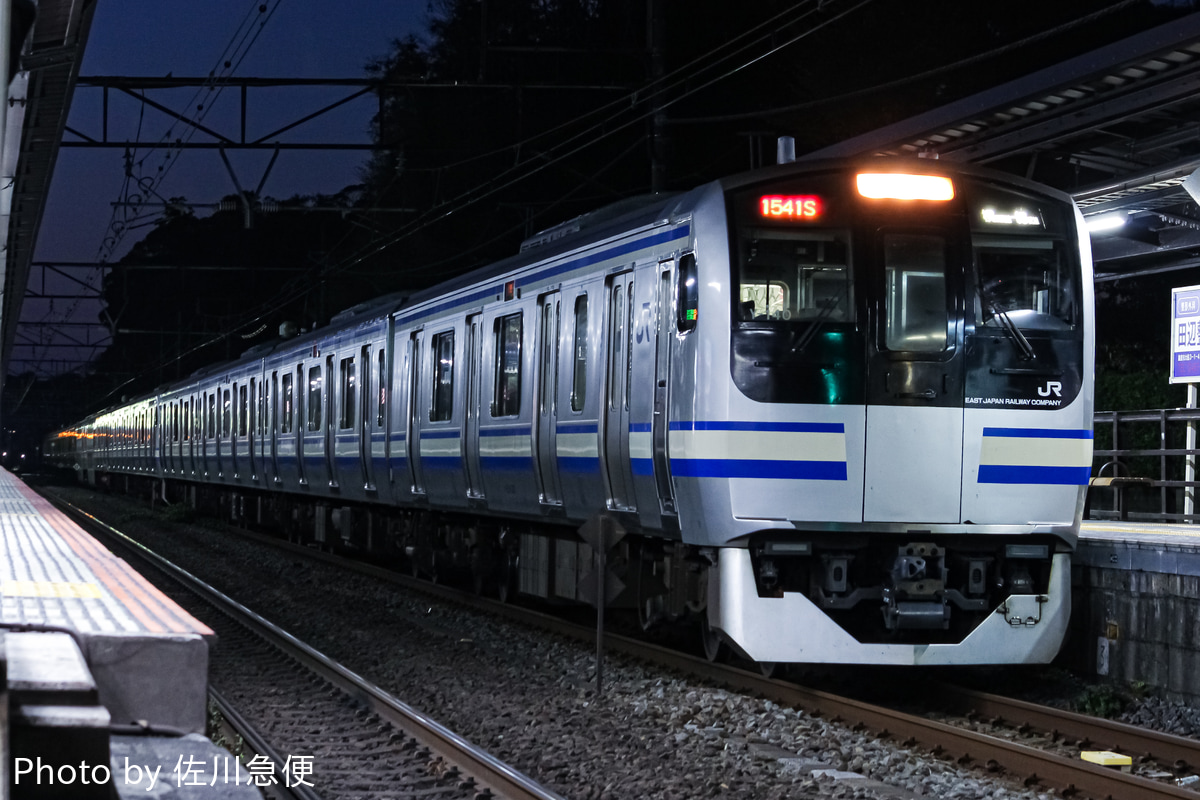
(914, 420)
(470, 436)
(618, 335)
(546, 398)
(662, 374)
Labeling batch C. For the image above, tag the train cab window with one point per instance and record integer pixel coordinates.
(286, 404)
(1025, 272)
(794, 276)
(346, 414)
(443, 377)
(915, 293)
(381, 406)
(314, 398)
(507, 400)
(579, 355)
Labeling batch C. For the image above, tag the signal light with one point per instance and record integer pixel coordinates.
(902, 186)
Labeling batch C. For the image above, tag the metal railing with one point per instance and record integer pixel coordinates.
(1139, 464)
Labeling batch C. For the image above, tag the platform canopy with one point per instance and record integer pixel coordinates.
(39, 97)
(1118, 128)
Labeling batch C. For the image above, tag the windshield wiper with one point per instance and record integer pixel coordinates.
(1010, 327)
(811, 331)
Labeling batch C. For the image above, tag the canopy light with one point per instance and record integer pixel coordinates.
(901, 186)
(1106, 222)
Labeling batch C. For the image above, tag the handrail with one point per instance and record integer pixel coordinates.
(1140, 454)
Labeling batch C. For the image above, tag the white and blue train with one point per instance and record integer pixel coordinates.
(843, 411)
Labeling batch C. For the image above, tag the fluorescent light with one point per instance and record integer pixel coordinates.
(1106, 222)
(902, 186)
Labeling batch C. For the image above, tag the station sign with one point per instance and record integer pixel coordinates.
(1185, 334)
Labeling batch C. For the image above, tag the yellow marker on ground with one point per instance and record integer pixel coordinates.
(1106, 758)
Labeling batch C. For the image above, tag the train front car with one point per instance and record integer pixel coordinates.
(892, 414)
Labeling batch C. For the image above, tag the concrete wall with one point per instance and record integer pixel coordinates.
(1136, 617)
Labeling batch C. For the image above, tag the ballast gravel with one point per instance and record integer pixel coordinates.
(528, 696)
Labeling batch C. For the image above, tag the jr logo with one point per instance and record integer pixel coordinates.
(1051, 388)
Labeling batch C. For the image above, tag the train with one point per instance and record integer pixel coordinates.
(840, 411)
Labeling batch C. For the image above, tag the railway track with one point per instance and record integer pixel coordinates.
(1024, 762)
(326, 732)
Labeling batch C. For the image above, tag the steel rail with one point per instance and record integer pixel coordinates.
(1178, 752)
(254, 741)
(487, 771)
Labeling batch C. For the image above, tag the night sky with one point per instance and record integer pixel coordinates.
(155, 38)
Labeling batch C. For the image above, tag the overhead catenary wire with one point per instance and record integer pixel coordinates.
(137, 188)
(470, 197)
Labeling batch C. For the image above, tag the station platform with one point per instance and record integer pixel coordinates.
(94, 661)
(1136, 605)
(1146, 546)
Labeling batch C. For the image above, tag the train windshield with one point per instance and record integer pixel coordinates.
(794, 276)
(1025, 276)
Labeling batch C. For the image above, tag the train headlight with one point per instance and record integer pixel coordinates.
(903, 186)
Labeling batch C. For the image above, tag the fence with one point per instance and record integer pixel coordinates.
(1139, 463)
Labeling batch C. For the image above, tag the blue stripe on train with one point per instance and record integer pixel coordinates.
(754, 468)
(1038, 433)
(1061, 476)
(779, 427)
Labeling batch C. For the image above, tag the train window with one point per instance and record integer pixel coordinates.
(1023, 280)
(443, 377)
(211, 421)
(629, 345)
(797, 276)
(381, 407)
(1025, 272)
(226, 413)
(580, 354)
(915, 275)
(507, 400)
(314, 398)
(616, 345)
(243, 421)
(346, 416)
(264, 398)
(286, 400)
(548, 392)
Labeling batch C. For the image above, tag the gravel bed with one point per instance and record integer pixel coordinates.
(527, 696)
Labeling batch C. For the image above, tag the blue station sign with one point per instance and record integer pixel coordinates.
(1185, 334)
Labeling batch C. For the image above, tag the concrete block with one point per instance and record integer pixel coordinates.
(161, 679)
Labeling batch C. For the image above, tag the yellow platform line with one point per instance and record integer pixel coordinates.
(49, 589)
